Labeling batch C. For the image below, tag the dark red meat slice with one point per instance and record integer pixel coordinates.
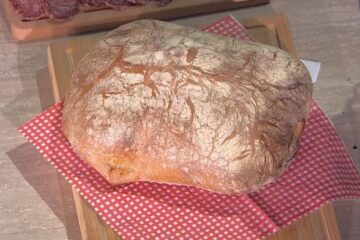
(161, 3)
(138, 1)
(118, 4)
(93, 3)
(60, 9)
(29, 9)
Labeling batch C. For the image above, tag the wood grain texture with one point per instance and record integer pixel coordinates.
(273, 30)
(91, 226)
(320, 225)
(109, 18)
(331, 227)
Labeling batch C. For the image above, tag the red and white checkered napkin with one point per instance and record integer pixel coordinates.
(322, 171)
(229, 27)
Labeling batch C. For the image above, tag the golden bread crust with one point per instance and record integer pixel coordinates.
(160, 102)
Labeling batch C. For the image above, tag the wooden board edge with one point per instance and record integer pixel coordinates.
(95, 227)
(318, 225)
(12, 19)
(51, 68)
(111, 234)
(282, 28)
(80, 213)
(93, 20)
(283, 32)
(331, 226)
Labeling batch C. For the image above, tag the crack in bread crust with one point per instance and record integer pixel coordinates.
(155, 98)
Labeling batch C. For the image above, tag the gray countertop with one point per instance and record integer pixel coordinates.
(36, 202)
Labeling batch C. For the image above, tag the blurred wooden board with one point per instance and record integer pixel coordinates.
(86, 21)
(63, 57)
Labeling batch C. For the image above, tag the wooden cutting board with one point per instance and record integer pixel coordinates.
(63, 57)
(96, 19)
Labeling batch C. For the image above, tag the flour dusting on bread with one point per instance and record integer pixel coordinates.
(160, 102)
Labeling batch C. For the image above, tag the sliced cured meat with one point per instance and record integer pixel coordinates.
(29, 9)
(138, 1)
(93, 3)
(118, 4)
(60, 9)
(161, 3)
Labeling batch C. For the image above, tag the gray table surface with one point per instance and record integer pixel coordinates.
(36, 202)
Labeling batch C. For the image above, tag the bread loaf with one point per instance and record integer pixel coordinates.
(155, 101)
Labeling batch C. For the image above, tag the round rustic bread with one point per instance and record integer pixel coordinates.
(155, 101)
